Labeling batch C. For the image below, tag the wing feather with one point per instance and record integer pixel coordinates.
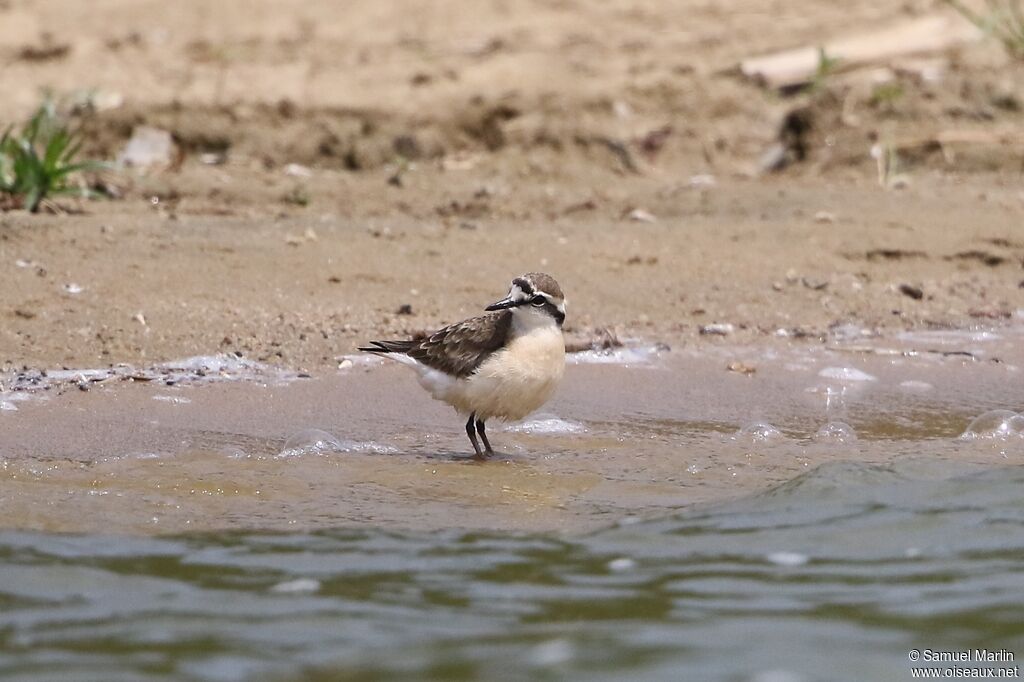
(460, 348)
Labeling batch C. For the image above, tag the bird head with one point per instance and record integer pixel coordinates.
(534, 294)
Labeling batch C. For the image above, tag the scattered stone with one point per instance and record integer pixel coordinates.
(213, 158)
(774, 159)
(148, 147)
(296, 170)
(793, 143)
(617, 148)
(989, 314)
(637, 260)
(73, 288)
(45, 52)
(653, 141)
(741, 368)
(639, 215)
(703, 181)
(913, 292)
(814, 284)
(824, 217)
(990, 259)
(892, 254)
(140, 318)
(459, 161)
(404, 309)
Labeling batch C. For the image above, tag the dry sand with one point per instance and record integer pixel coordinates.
(451, 147)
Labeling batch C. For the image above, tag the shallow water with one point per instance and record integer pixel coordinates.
(666, 518)
(642, 436)
(834, 575)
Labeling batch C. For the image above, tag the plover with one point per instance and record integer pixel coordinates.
(501, 365)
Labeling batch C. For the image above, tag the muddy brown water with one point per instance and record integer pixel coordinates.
(665, 518)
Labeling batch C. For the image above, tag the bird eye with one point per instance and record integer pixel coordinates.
(539, 301)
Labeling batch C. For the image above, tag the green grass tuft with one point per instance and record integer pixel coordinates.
(1003, 21)
(39, 161)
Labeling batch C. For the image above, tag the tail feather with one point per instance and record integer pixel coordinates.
(388, 347)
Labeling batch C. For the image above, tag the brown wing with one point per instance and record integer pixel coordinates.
(462, 347)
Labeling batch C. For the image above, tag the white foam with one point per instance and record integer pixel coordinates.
(317, 442)
(551, 653)
(9, 398)
(632, 355)
(845, 374)
(836, 432)
(995, 425)
(173, 399)
(299, 586)
(759, 432)
(621, 564)
(949, 336)
(916, 385)
(787, 558)
(221, 365)
(548, 424)
(201, 368)
(79, 375)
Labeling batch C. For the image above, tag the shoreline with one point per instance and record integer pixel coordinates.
(365, 447)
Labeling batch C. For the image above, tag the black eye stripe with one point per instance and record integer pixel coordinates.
(552, 310)
(555, 313)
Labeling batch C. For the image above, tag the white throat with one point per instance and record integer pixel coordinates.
(526, 319)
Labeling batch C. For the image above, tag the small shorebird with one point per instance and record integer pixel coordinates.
(504, 364)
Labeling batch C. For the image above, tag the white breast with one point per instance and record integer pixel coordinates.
(518, 379)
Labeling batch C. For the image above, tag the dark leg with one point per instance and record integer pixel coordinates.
(472, 436)
(483, 436)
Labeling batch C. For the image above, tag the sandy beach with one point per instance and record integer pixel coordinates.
(330, 170)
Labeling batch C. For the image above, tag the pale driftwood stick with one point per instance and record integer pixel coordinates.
(928, 34)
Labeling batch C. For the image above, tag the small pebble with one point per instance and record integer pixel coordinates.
(913, 292)
(639, 215)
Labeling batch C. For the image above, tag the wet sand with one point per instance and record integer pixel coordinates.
(631, 434)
